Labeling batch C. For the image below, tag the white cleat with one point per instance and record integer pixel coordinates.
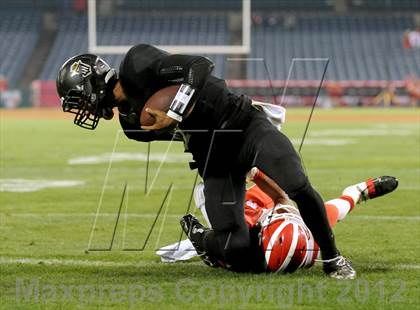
(339, 268)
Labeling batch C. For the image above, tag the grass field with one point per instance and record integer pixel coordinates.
(44, 233)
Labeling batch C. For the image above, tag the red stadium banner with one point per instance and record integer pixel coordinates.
(312, 83)
(44, 94)
(293, 92)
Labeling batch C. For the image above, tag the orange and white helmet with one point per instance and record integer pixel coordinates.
(286, 241)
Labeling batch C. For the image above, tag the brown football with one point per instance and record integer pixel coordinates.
(161, 100)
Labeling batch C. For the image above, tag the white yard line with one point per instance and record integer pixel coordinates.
(361, 132)
(152, 215)
(29, 185)
(76, 262)
(325, 141)
(97, 263)
(384, 217)
(126, 156)
(409, 266)
(76, 215)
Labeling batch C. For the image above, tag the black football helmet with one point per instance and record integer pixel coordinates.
(84, 84)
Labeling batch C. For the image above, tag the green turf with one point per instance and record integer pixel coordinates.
(57, 223)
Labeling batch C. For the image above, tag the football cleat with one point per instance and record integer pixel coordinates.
(195, 232)
(377, 187)
(371, 188)
(339, 268)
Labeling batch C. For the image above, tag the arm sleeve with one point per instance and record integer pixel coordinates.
(134, 132)
(184, 69)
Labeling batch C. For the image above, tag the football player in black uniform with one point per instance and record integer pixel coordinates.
(224, 132)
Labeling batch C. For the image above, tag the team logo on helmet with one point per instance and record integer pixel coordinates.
(79, 67)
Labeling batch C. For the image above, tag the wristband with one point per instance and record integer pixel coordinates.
(174, 116)
(181, 101)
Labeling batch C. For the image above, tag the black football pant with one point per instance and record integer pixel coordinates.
(263, 146)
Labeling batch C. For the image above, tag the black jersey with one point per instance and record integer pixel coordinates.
(222, 159)
(146, 69)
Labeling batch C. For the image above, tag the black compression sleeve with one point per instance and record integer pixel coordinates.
(184, 69)
(133, 131)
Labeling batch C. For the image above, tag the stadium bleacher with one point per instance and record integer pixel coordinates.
(19, 32)
(350, 42)
(359, 46)
(126, 29)
(225, 4)
(392, 5)
(306, 5)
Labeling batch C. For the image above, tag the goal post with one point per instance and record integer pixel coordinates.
(243, 48)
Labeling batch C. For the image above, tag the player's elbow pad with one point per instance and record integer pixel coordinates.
(200, 69)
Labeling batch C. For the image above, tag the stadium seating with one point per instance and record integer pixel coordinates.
(36, 4)
(350, 42)
(225, 4)
(199, 5)
(128, 29)
(375, 5)
(358, 47)
(19, 32)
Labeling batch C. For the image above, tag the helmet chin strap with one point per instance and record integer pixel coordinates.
(110, 74)
(108, 104)
(109, 101)
(107, 113)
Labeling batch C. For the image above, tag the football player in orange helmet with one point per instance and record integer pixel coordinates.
(285, 242)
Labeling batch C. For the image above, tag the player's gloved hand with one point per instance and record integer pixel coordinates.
(162, 121)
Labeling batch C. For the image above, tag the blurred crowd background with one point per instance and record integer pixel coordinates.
(371, 47)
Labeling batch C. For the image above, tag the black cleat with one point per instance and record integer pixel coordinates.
(195, 232)
(378, 187)
(339, 268)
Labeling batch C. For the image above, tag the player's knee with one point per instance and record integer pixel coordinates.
(306, 196)
(287, 172)
(237, 243)
(300, 186)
